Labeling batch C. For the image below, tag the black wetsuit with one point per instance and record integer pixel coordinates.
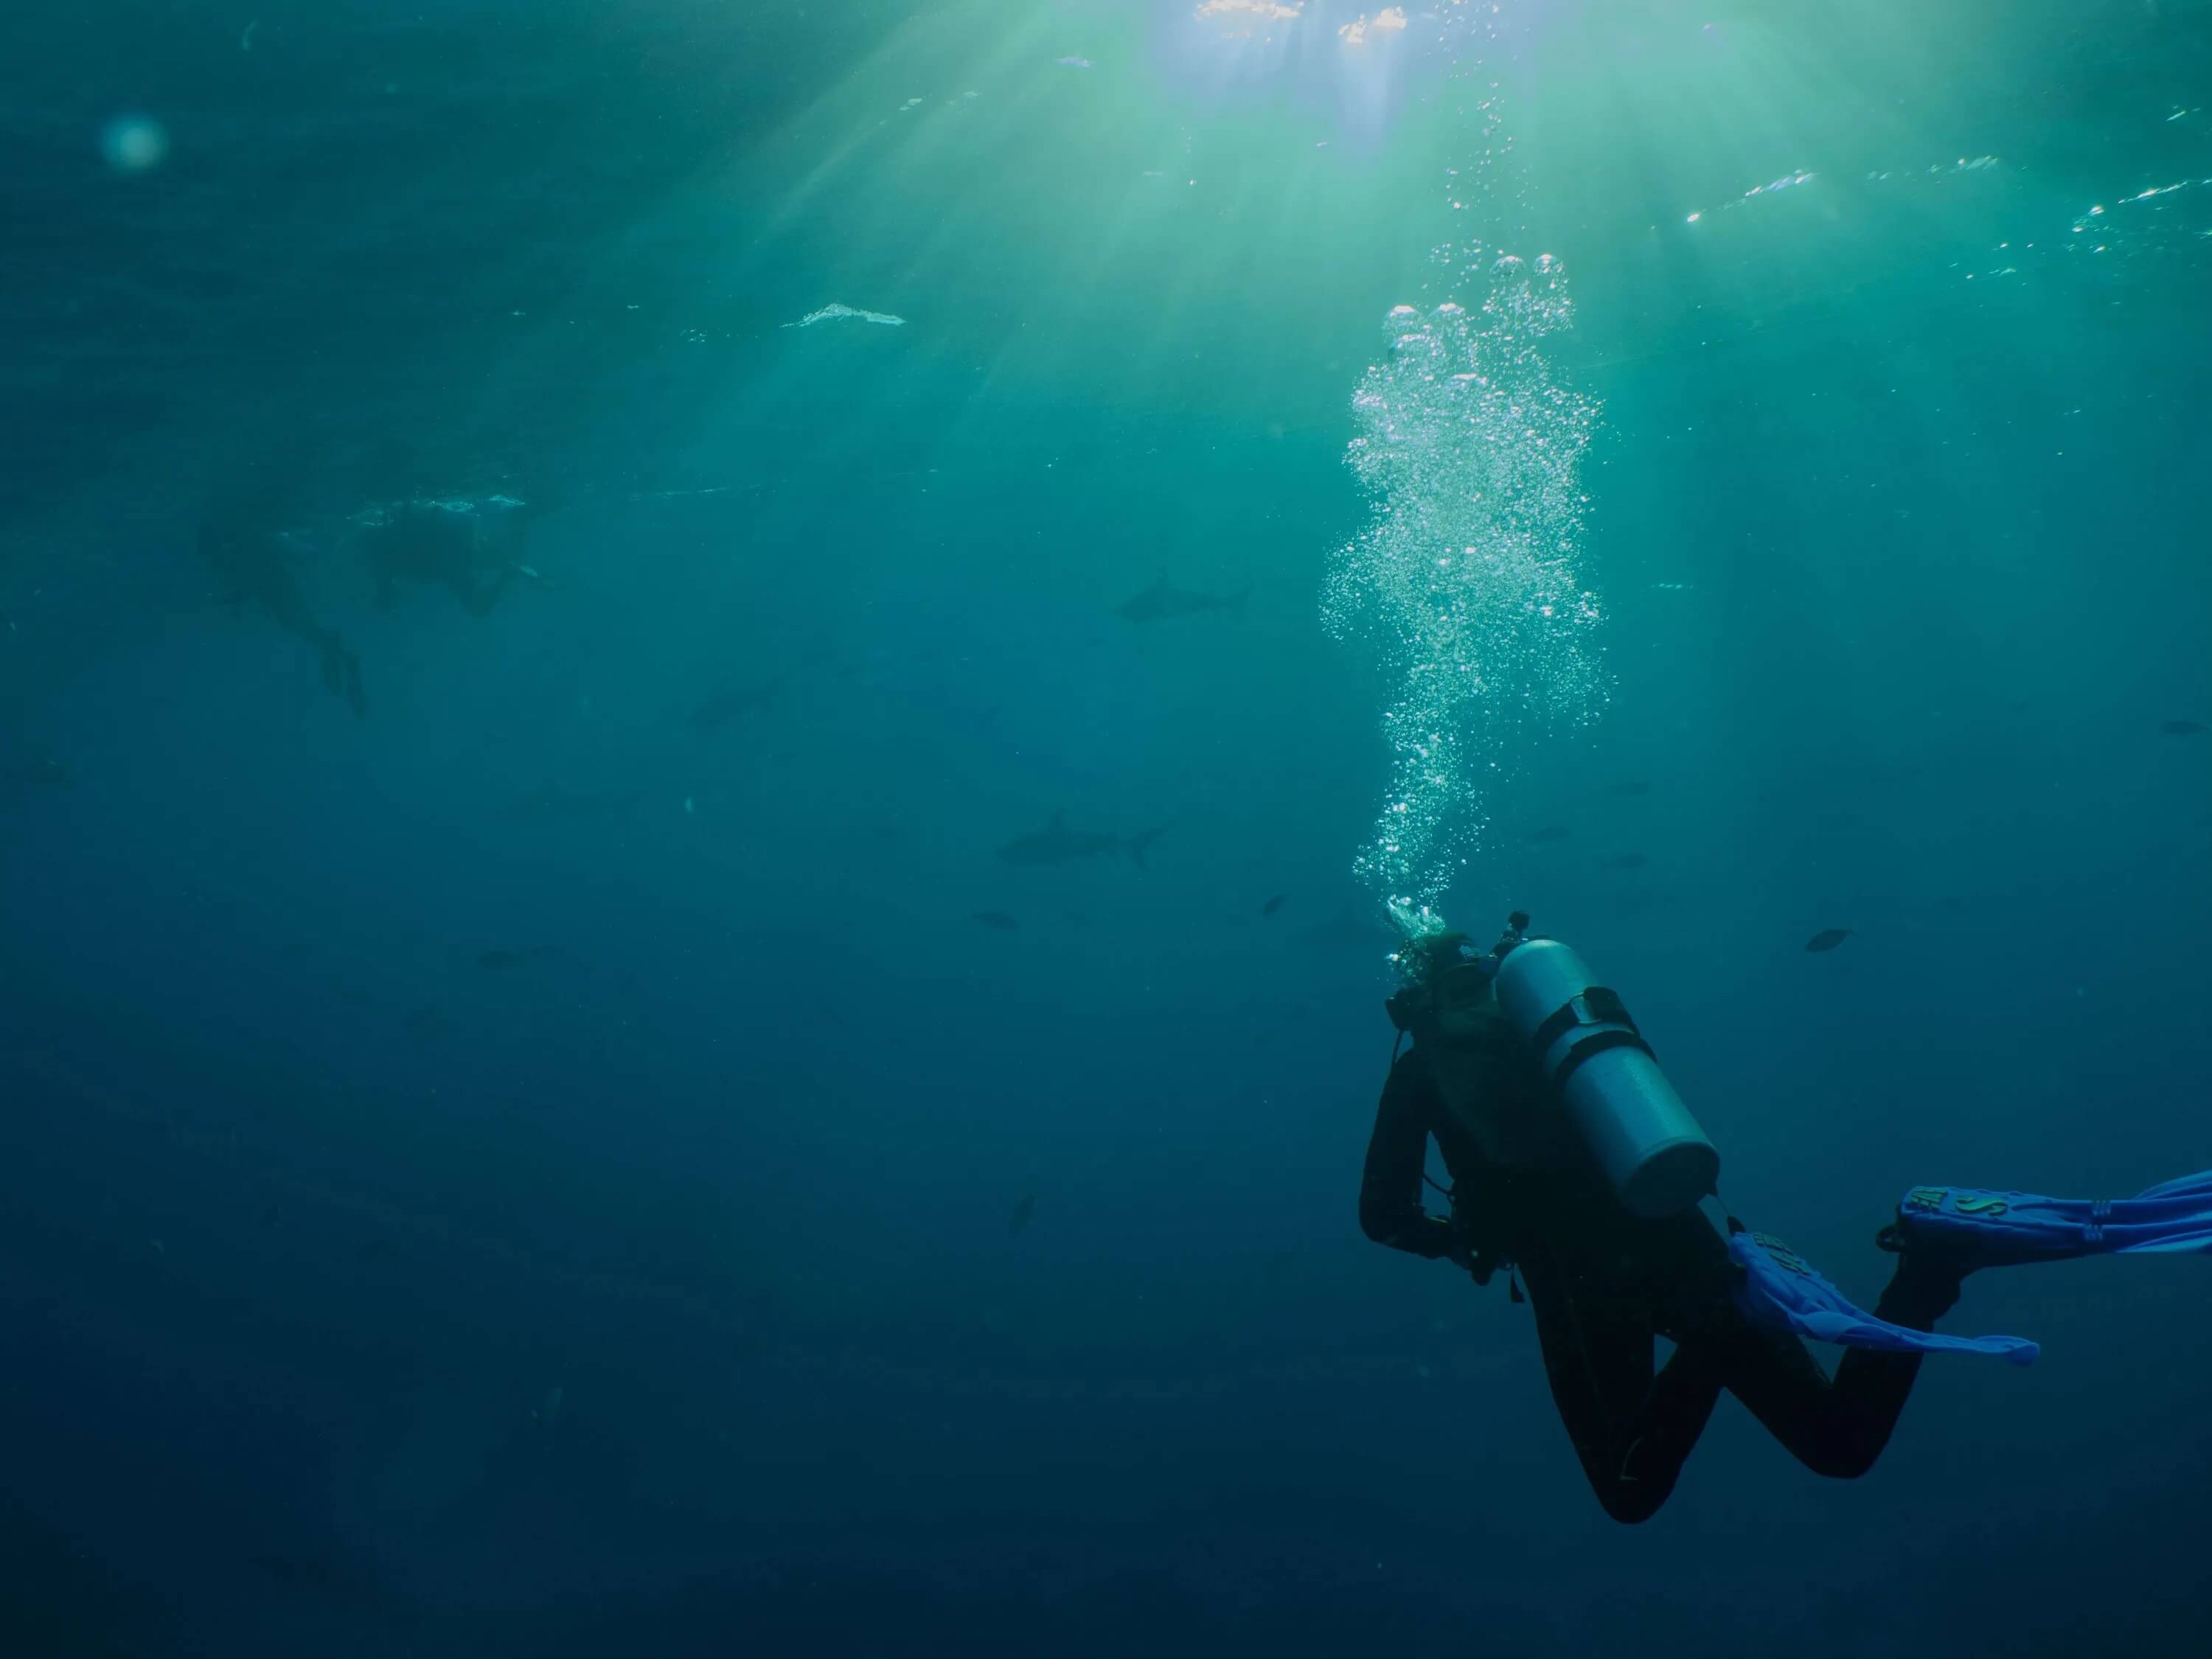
(1602, 1283)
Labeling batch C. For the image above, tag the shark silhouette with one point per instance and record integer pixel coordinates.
(1059, 843)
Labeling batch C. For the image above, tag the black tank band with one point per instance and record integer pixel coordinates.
(1597, 1007)
(1603, 1006)
(1594, 1045)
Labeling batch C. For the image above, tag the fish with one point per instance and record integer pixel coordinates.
(997, 920)
(1626, 861)
(1073, 62)
(2181, 728)
(1551, 832)
(1274, 904)
(44, 773)
(550, 803)
(1632, 787)
(1827, 939)
(1163, 600)
(727, 704)
(1019, 1220)
(498, 959)
(1349, 931)
(319, 1578)
(1056, 843)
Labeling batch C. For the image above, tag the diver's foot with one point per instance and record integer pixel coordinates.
(1930, 1273)
(1934, 1255)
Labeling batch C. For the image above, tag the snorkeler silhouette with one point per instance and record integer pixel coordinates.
(255, 565)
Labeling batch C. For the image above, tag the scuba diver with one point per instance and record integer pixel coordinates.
(472, 549)
(255, 565)
(1575, 1167)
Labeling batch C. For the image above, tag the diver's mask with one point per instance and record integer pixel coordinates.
(1461, 983)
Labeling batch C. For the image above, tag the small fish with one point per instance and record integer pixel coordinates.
(1274, 904)
(1827, 938)
(498, 961)
(727, 704)
(549, 1413)
(1626, 861)
(1632, 787)
(1056, 843)
(45, 773)
(997, 920)
(1163, 600)
(1347, 932)
(1550, 832)
(551, 803)
(2181, 728)
(319, 1579)
(427, 1020)
(1019, 1220)
(1073, 62)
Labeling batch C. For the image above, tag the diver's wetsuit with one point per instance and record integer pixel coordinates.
(1603, 1283)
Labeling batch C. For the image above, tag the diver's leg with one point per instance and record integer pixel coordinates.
(1837, 1428)
(1630, 1430)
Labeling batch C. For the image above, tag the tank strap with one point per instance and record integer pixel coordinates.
(1596, 1004)
(1593, 1045)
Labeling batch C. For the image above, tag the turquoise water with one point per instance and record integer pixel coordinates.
(799, 1081)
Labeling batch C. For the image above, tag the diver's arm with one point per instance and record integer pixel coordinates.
(1390, 1210)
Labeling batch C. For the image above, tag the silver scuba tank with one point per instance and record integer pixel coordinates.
(1644, 1137)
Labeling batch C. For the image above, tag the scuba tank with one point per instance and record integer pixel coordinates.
(1650, 1148)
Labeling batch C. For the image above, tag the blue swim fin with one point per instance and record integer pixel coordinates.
(1973, 1227)
(1989, 1228)
(1780, 1290)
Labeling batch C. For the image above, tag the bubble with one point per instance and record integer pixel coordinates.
(1465, 584)
(134, 143)
(1466, 579)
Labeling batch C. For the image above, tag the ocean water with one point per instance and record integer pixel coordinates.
(770, 1060)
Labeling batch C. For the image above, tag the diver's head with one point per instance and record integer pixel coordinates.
(1450, 982)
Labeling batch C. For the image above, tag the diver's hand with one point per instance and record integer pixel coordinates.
(1465, 1253)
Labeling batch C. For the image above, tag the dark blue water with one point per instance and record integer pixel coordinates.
(599, 1152)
